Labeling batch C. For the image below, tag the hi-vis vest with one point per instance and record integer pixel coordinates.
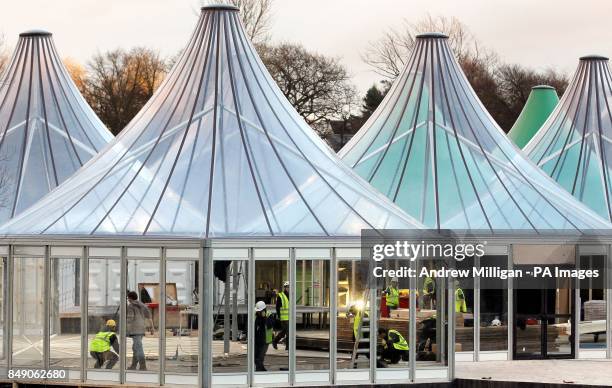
(269, 333)
(101, 342)
(392, 297)
(460, 305)
(429, 286)
(356, 322)
(401, 343)
(284, 310)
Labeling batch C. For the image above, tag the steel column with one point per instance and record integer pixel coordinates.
(123, 314)
(162, 317)
(477, 312)
(510, 305)
(373, 330)
(251, 318)
(292, 315)
(576, 308)
(451, 330)
(46, 301)
(84, 311)
(9, 299)
(206, 300)
(333, 317)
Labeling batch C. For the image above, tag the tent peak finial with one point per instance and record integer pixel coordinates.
(219, 7)
(542, 87)
(35, 33)
(593, 57)
(432, 35)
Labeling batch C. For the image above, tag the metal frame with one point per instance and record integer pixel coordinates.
(162, 317)
(84, 310)
(476, 312)
(333, 316)
(46, 299)
(123, 315)
(510, 306)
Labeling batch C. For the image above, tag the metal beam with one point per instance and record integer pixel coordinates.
(292, 316)
(412, 334)
(251, 318)
(123, 314)
(162, 317)
(46, 302)
(333, 317)
(84, 311)
(206, 315)
(510, 306)
(477, 311)
(11, 306)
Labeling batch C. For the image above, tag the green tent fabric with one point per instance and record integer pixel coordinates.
(541, 102)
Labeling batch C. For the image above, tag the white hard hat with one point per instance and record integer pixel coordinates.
(286, 283)
(260, 306)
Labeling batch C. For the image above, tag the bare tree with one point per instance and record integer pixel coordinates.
(388, 55)
(118, 83)
(256, 16)
(4, 54)
(318, 87)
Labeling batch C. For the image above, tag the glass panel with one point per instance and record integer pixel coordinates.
(142, 314)
(182, 308)
(103, 306)
(3, 307)
(494, 307)
(432, 317)
(28, 311)
(230, 349)
(592, 321)
(312, 308)
(65, 313)
(270, 275)
(393, 321)
(352, 312)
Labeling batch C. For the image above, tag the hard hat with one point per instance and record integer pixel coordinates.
(111, 323)
(260, 306)
(286, 283)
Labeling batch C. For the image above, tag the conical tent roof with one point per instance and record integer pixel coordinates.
(574, 146)
(541, 102)
(217, 152)
(434, 150)
(47, 130)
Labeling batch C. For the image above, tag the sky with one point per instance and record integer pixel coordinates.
(535, 33)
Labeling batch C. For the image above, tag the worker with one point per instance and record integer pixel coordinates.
(358, 314)
(100, 346)
(264, 323)
(460, 305)
(282, 314)
(394, 346)
(429, 293)
(137, 314)
(392, 296)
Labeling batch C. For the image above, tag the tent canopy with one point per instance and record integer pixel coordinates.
(217, 152)
(434, 150)
(47, 130)
(574, 146)
(541, 102)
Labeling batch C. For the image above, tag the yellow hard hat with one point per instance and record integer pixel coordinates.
(111, 323)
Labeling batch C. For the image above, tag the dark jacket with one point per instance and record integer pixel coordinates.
(137, 313)
(262, 323)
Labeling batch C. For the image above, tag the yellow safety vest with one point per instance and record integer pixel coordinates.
(460, 305)
(401, 344)
(101, 342)
(284, 310)
(356, 322)
(429, 286)
(392, 297)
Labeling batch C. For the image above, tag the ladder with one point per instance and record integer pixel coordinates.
(363, 328)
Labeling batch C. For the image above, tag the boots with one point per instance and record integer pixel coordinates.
(143, 364)
(134, 364)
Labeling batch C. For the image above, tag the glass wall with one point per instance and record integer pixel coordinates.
(103, 314)
(593, 304)
(312, 314)
(432, 319)
(65, 310)
(28, 307)
(353, 347)
(493, 307)
(182, 320)
(230, 304)
(273, 287)
(142, 312)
